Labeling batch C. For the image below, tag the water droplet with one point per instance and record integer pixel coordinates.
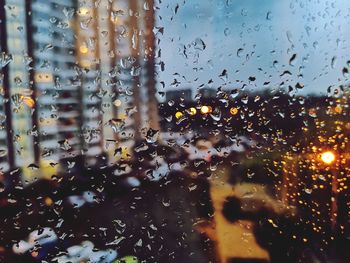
(3, 152)
(140, 148)
(134, 40)
(152, 136)
(5, 59)
(53, 20)
(68, 12)
(345, 72)
(224, 75)
(308, 190)
(292, 59)
(268, 15)
(199, 44)
(135, 71)
(146, 6)
(239, 52)
(117, 125)
(216, 114)
(18, 81)
(333, 62)
(166, 203)
(84, 24)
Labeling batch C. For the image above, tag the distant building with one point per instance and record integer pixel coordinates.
(56, 78)
(185, 94)
(81, 78)
(19, 83)
(207, 92)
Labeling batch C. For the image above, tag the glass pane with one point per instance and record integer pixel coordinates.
(174, 131)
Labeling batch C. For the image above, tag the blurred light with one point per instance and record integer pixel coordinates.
(28, 101)
(205, 109)
(178, 115)
(114, 19)
(338, 109)
(192, 111)
(83, 49)
(48, 201)
(83, 11)
(43, 77)
(313, 112)
(85, 63)
(233, 111)
(328, 157)
(117, 103)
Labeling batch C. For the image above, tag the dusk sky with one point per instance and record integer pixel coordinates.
(251, 38)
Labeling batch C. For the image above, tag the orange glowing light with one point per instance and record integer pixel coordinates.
(338, 109)
(83, 49)
(205, 109)
(48, 201)
(28, 101)
(328, 157)
(233, 111)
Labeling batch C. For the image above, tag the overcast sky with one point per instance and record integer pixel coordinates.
(254, 38)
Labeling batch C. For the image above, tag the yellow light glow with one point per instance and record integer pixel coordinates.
(192, 111)
(28, 101)
(85, 63)
(83, 49)
(338, 109)
(48, 201)
(178, 115)
(233, 111)
(84, 11)
(43, 77)
(114, 20)
(205, 109)
(328, 157)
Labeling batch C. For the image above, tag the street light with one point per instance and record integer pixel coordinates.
(327, 157)
(206, 109)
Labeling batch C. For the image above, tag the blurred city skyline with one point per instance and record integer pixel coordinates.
(82, 78)
(174, 131)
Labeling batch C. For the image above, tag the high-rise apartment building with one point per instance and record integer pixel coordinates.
(132, 70)
(57, 79)
(88, 33)
(19, 86)
(80, 80)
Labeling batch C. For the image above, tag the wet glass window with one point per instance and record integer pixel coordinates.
(174, 131)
